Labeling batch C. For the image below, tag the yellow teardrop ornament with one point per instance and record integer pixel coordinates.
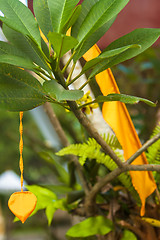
(22, 204)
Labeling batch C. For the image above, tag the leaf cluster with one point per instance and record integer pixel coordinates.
(39, 44)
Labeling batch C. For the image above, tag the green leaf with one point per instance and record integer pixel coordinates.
(50, 210)
(61, 11)
(123, 98)
(55, 90)
(91, 226)
(44, 196)
(19, 91)
(75, 14)
(86, 7)
(18, 17)
(61, 43)
(105, 55)
(144, 37)
(17, 61)
(25, 45)
(62, 173)
(86, 45)
(128, 235)
(43, 17)
(101, 12)
(6, 48)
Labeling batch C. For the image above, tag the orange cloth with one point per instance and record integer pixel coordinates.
(118, 118)
(22, 204)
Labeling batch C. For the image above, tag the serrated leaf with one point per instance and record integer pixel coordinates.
(101, 12)
(60, 11)
(25, 45)
(18, 17)
(57, 91)
(144, 37)
(19, 91)
(91, 226)
(123, 98)
(61, 43)
(105, 55)
(17, 61)
(43, 16)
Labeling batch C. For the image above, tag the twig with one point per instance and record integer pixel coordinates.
(93, 133)
(56, 124)
(59, 130)
(143, 148)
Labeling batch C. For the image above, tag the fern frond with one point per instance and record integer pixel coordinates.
(112, 141)
(92, 150)
(153, 152)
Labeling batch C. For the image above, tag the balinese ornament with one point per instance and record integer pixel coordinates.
(22, 203)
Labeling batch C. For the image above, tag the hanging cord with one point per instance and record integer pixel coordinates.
(21, 148)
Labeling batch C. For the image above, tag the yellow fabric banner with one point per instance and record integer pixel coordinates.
(118, 118)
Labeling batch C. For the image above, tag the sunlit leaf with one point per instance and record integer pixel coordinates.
(128, 235)
(91, 226)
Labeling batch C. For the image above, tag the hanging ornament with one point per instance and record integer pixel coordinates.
(22, 203)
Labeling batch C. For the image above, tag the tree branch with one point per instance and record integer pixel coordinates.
(143, 148)
(93, 133)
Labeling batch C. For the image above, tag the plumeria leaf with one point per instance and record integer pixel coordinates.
(101, 12)
(19, 90)
(123, 98)
(55, 90)
(61, 43)
(75, 14)
(43, 16)
(25, 45)
(61, 11)
(105, 55)
(17, 61)
(143, 37)
(18, 17)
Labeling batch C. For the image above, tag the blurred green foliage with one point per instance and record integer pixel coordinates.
(141, 77)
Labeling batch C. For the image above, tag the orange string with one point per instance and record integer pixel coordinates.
(21, 148)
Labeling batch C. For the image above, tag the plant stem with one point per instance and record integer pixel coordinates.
(67, 64)
(74, 79)
(70, 74)
(143, 148)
